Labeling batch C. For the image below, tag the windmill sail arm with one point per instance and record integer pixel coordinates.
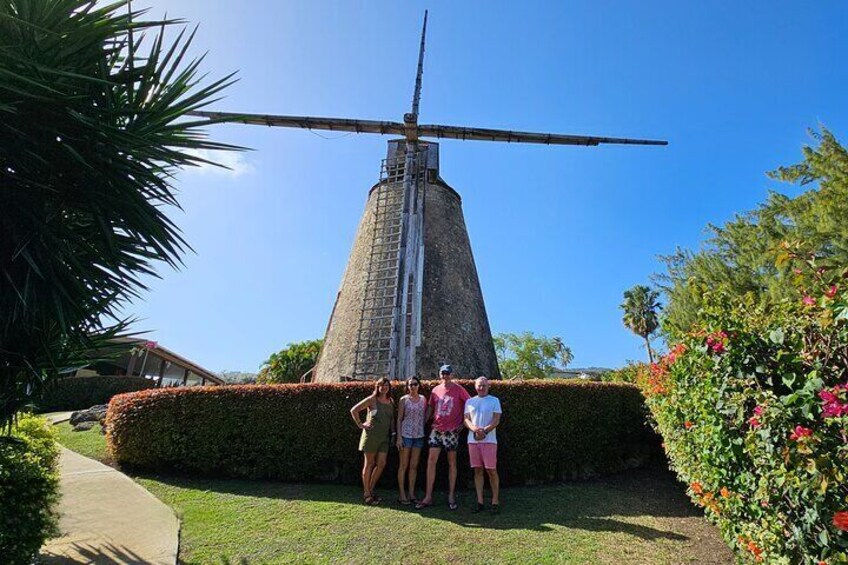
(305, 122)
(483, 134)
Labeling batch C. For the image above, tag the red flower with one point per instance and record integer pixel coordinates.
(754, 422)
(831, 292)
(687, 424)
(840, 520)
(754, 548)
(800, 432)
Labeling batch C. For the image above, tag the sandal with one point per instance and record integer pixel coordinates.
(403, 502)
(495, 509)
(422, 505)
(453, 505)
(477, 508)
(368, 500)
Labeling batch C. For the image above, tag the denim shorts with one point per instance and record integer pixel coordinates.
(412, 442)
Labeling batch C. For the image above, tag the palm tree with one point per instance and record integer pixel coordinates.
(563, 351)
(640, 313)
(93, 127)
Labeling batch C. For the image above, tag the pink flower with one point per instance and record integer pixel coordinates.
(831, 292)
(758, 410)
(832, 404)
(754, 422)
(797, 271)
(800, 432)
(716, 342)
(808, 300)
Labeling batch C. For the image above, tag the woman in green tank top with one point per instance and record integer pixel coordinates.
(377, 431)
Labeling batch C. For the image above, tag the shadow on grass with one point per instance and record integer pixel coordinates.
(597, 505)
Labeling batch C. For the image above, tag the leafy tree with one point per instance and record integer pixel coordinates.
(290, 363)
(526, 356)
(92, 130)
(641, 308)
(748, 255)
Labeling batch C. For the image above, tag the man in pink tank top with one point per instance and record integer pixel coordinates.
(447, 407)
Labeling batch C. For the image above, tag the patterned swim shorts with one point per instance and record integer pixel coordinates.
(449, 441)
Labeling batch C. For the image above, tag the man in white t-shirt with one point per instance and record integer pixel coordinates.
(482, 416)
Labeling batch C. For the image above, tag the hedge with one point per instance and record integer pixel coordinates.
(753, 410)
(551, 430)
(29, 484)
(77, 393)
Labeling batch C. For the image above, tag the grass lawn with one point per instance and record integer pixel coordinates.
(641, 518)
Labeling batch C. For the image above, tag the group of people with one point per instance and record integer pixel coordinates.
(451, 410)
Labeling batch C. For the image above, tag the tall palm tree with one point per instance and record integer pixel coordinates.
(641, 308)
(93, 126)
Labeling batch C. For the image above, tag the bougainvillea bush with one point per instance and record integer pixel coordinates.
(753, 410)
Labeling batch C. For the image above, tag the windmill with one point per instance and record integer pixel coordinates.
(410, 298)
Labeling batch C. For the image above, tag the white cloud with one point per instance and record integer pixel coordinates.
(235, 162)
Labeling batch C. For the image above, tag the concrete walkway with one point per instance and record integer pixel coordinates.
(57, 417)
(106, 518)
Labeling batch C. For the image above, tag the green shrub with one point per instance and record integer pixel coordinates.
(29, 485)
(551, 430)
(77, 393)
(627, 374)
(753, 410)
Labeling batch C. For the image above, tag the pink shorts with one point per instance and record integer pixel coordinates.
(483, 455)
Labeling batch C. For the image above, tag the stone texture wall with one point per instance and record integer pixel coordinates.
(454, 325)
(339, 352)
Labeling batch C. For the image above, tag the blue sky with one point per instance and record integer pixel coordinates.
(558, 233)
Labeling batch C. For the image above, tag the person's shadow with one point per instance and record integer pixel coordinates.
(608, 504)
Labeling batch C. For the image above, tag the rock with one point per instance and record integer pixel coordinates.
(93, 414)
(84, 426)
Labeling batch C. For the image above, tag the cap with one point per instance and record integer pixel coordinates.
(446, 369)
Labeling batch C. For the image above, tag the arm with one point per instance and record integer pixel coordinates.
(496, 419)
(359, 407)
(467, 421)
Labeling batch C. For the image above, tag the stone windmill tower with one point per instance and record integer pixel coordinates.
(410, 298)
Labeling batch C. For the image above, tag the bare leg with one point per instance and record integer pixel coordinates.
(432, 461)
(479, 479)
(404, 461)
(451, 476)
(413, 469)
(495, 483)
(367, 469)
(378, 469)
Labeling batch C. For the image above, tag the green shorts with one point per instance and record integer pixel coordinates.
(371, 442)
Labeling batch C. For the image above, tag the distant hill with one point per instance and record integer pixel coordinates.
(578, 373)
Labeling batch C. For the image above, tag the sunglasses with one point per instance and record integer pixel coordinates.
(413, 384)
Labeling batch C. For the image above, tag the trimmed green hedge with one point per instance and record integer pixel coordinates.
(551, 430)
(29, 483)
(78, 393)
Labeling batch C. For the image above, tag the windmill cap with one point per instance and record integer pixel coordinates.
(446, 369)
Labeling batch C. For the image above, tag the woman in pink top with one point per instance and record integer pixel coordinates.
(412, 411)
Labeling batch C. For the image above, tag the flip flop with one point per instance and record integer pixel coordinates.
(423, 505)
(403, 502)
(453, 505)
(368, 500)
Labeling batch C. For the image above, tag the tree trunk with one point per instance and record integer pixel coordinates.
(650, 352)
